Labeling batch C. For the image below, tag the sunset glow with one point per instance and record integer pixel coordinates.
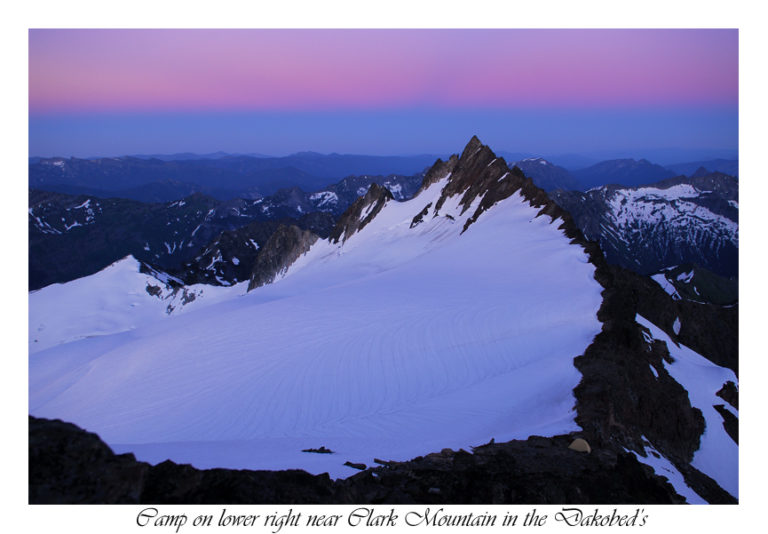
(79, 74)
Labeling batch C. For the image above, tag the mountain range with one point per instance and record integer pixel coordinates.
(224, 178)
(74, 236)
(471, 315)
(671, 222)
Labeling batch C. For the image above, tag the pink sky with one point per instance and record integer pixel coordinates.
(75, 71)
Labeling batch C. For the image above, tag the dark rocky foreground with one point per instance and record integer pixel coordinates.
(68, 465)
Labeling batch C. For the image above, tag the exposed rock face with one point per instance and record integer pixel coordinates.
(479, 174)
(289, 242)
(280, 251)
(619, 400)
(730, 422)
(438, 171)
(69, 465)
(730, 394)
(231, 256)
(359, 214)
(710, 330)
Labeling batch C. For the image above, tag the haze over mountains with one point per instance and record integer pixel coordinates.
(226, 177)
(163, 178)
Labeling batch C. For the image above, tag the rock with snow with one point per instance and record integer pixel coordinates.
(280, 251)
(678, 221)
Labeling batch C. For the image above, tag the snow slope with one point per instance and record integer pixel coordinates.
(718, 454)
(399, 342)
(665, 468)
(116, 299)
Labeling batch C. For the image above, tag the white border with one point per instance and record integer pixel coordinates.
(393, 14)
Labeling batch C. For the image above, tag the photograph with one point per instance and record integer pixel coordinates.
(357, 266)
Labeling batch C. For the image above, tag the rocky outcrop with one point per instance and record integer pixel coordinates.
(359, 214)
(230, 257)
(533, 471)
(438, 171)
(619, 399)
(708, 329)
(69, 465)
(282, 249)
(730, 394)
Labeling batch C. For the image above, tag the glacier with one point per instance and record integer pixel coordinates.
(397, 342)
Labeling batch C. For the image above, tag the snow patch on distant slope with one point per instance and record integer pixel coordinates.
(324, 199)
(651, 206)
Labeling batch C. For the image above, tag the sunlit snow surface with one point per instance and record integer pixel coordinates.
(718, 454)
(400, 342)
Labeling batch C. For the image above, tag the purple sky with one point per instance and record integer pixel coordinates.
(108, 92)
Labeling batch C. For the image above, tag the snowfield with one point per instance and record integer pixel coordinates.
(113, 300)
(396, 343)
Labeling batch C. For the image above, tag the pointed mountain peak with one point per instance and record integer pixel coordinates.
(473, 144)
(480, 179)
(474, 147)
(475, 152)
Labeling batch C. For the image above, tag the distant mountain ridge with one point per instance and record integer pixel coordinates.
(198, 238)
(725, 166)
(225, 177)
(626, 172)
(547, 175)
(671, 222)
